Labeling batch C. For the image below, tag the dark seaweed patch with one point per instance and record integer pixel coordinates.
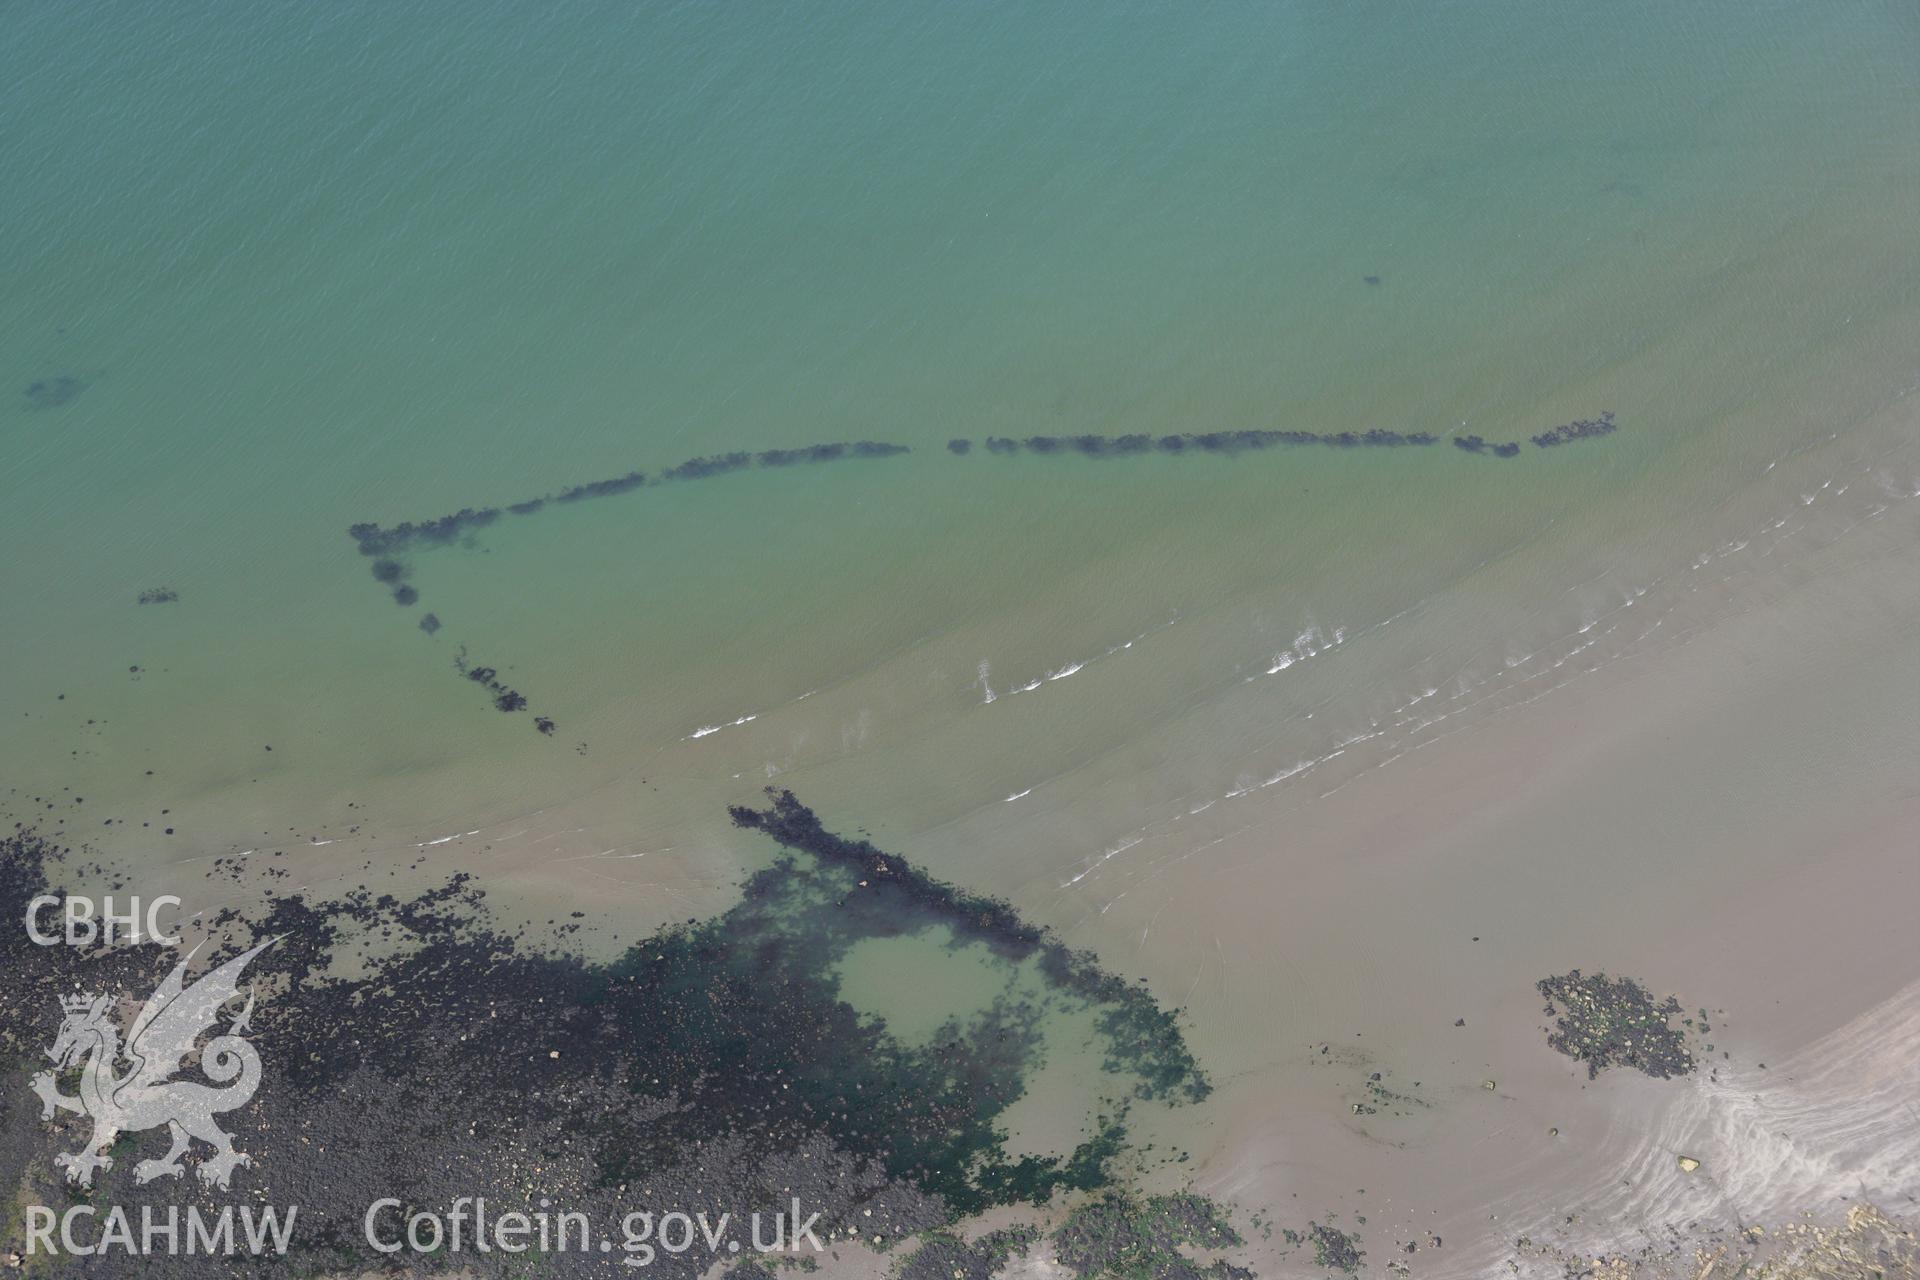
(405, 595)
(942, 1255)
(959, 447)
(430, 623)
(1143, 1240)
(388, 570)
(158, 595)
(1335, 1249)
(1605, 1022)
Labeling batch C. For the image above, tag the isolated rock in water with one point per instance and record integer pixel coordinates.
(1688, 1164)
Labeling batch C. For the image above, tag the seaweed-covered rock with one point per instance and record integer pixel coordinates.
(942, 1255)
(1335, 1249)
(1605, 1022)
(1579, 429)
(1126, 1239)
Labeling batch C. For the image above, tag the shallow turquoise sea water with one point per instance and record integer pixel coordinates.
(316, 265)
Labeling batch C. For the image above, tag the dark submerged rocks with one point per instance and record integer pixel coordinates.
(603, 488)
(385, 544)
(828, 453)
(704, 468)
(375, 540)
(505, 698)
(1579, 429)
(493, 1064)
(712, 1067)
(1474, 444)
(1221, 442)
(158, 595)
(1606, 1022)
(52, 393)
(430, 623)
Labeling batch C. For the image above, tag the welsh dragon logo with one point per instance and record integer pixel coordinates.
(145, 1095)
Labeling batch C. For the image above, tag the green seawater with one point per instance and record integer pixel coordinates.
(307, 266)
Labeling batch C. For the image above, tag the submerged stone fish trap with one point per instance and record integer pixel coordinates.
(386, 545)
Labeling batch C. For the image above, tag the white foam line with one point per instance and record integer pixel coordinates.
(711, 729)
(1102, 860)
(1019, 795)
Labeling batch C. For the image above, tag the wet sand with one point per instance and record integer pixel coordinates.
(1731, 819)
